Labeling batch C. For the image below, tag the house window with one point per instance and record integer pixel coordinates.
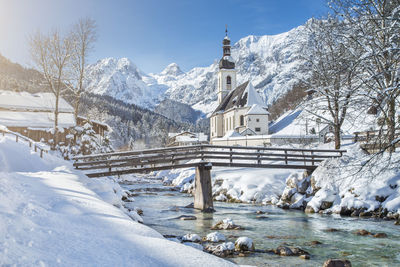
(257, 120)
(258, 129)
(241, 120)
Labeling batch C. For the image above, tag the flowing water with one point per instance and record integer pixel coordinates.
(162, 205)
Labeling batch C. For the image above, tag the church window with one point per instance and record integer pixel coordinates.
(258, 129)
(228, 82)
(241, 120)
(257, 120)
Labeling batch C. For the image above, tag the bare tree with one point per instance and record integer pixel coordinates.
(333, 67)
(83, 36)
(376, 30)
(51, 54)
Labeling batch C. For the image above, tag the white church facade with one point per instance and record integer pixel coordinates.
(241, 117)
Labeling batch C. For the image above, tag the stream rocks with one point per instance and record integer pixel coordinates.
(295, 194)
(222, 250)
(226, 224)
(191, 238)
(363, 232)
(215, 237)
(244, 244)
(186, 217)
(290, 251)
(337, 263)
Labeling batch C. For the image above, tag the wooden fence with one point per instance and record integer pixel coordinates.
(19, 137)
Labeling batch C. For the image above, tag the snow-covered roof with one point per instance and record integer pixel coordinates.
(231, 133)
(242, 96)
(257, 110)
(186, 133)
(188, 137)
(248, 131)
(35, 119)
(253, 97)
(24, 101)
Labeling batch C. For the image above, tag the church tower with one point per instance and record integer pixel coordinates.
(227, 72)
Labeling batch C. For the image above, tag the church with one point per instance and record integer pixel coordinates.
(241, 112)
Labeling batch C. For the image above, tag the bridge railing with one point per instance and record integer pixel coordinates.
(189, 156)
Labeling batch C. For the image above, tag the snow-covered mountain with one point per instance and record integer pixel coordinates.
(121, 79)
(272, 63)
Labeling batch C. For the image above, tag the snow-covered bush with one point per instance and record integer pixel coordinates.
(84, 141)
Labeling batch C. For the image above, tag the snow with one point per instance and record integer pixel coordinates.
(244, 241)
(257, 110)
(231, 133)
(51, 214)
(191, 238)
(194, 245)
(253, 97)
(215, 237)
(35, 119)
(226, 246)
(244, 184)
(24, 101)
(272, 63)
(341, 182)
(121, 79)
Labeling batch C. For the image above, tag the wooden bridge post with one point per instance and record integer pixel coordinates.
(202, 189)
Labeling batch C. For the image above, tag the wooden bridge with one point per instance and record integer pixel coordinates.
(203, 158)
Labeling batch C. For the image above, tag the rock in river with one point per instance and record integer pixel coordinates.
(226, 224)
(244, 244)
(186, 217)
(290, 251)
(337, 263)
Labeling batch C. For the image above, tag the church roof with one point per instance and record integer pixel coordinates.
(243, 96)
(226, 62)
(235, 98)
(253, 96)
(257, 110)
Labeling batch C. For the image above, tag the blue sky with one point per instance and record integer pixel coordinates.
(153, 33)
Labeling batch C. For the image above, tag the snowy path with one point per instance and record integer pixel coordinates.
(50, 216)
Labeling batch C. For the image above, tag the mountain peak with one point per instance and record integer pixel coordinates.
(172, 69)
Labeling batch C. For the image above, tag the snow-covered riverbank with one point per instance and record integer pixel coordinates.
(51, 215)
(337, 186)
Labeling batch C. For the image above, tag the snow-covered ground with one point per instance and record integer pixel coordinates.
(52, 215)
(355, 181)
(236, 184)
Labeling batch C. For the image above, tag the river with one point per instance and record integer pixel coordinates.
(161, 206)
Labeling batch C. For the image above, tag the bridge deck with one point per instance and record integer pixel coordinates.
(119, 163)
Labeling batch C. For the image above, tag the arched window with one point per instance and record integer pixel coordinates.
(241, 120)
(228, 82)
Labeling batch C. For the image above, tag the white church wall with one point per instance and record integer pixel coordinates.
(257, 123)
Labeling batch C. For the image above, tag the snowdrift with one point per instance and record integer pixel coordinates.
(52, 215)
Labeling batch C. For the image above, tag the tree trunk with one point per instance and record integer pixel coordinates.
(76, 108)
(337, 136)
(391, 123)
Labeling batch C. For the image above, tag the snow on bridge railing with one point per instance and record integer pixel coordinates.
(36, 146)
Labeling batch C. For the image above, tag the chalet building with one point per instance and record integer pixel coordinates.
(241, 111)
(32, 115)
(186, 139)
